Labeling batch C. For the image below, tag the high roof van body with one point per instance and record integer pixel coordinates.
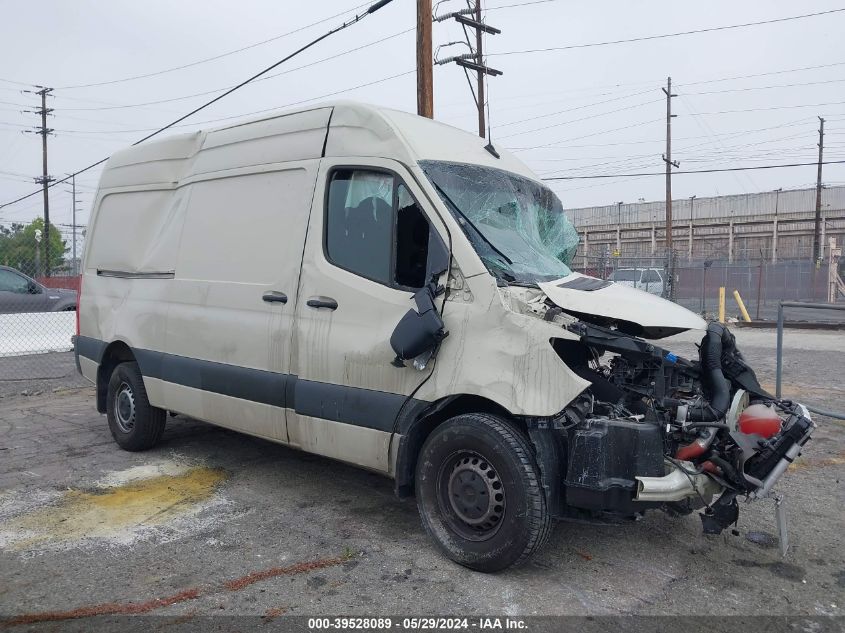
(389, 291)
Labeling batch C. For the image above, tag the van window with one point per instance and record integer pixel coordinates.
(368, 212)
(412, 232)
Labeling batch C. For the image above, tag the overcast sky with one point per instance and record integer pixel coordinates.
(605, 105)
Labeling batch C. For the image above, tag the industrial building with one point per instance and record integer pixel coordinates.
(773, 226)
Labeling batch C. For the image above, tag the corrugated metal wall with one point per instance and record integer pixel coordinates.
(795, 201)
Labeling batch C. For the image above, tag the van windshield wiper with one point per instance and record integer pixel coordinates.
(463, 217)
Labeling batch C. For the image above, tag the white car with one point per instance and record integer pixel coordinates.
(651, 280)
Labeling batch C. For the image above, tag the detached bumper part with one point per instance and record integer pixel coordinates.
(605, 457)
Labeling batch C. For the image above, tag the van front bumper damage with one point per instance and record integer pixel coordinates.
(658, 431)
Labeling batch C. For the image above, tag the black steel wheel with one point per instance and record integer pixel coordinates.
(479, 494)
(134, 423)
(471, 495)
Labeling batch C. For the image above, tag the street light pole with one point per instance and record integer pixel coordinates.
(619, 228)
(691, 217)
(775, 227)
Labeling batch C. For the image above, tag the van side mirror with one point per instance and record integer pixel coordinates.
(32, 288)
(420, 330)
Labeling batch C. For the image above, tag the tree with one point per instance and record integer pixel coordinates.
(19, 248)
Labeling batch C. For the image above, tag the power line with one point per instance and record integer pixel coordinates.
(17, 83)
(372, 9)
(268, 77)
(521, 4)
(782, 107)
(213, 58)
(667, 35)
(766, 74)
(577, 138)
(809, 83)
(246, 114)
(586, 118)
(693, 171)
(581, 107)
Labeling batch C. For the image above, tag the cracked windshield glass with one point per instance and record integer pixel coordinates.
(517, 226)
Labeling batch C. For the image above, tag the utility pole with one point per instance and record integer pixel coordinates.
(479, 59)
(667, 158)
(817, 228)
(474, 60)
(45, 179)
(75, 268)
(425, 73)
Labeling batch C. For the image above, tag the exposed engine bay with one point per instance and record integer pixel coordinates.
(655, 430)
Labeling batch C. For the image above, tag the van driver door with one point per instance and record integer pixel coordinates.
(369, 248)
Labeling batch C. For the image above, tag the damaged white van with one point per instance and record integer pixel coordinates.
(388, 291)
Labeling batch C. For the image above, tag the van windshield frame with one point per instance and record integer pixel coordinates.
(516, 225)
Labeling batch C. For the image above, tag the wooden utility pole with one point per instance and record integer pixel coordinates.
(479, 58)
(817, 228)
(45, 179)
(425, 78)
(667, 158)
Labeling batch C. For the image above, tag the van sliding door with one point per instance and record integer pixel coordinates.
(233, 298)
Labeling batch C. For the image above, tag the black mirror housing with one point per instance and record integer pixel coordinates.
(419, 331)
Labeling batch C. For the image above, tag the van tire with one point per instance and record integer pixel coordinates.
(134, 423)
(479, 494)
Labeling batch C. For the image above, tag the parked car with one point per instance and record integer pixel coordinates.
(650, 280)
(389, 291)
(20, 293)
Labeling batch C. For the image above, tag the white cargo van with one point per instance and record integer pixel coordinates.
(385, 290)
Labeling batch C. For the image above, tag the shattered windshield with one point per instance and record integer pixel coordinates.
(516, 225)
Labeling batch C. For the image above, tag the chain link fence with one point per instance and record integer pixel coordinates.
(695, 283)
(39, 287)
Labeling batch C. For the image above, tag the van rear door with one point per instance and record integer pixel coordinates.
(367, 251)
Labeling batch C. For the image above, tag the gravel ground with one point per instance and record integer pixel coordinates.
(216, 523)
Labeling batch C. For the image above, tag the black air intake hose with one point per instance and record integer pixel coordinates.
(714, 380)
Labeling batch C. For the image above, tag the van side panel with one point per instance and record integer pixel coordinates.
(130, 254)
(243, 238)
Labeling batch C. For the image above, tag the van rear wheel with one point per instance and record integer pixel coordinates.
(134, 423)
(479, 494)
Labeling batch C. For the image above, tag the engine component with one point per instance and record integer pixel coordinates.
(721, 514)
(654, 429)
(774, 456)
(605, 456)
(759, 419)
(717, 386)
(698, 447)
(675, 486)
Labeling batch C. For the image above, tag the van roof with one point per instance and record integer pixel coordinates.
(334, 129)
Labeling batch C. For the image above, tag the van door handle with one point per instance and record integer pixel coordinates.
(275, 297)
(322, 302)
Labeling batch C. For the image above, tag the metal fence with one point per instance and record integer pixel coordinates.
(695, 284)
(39, 288)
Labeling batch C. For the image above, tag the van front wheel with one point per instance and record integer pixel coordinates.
(134, 423)
(479, 494)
